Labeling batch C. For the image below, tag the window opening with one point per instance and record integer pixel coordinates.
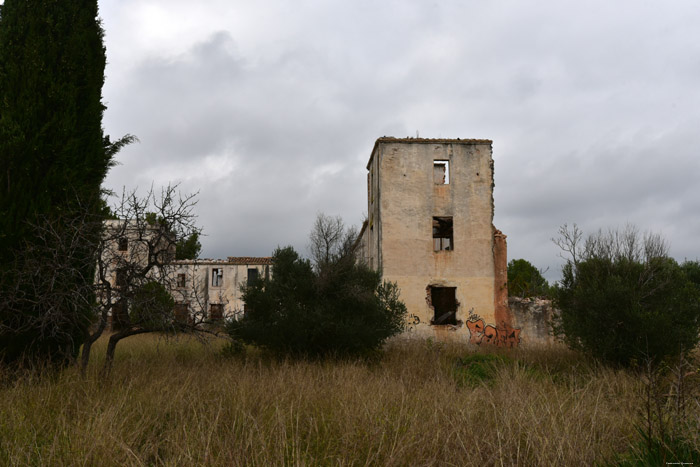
(121, 279)
(181, 280)
(123, 244)
(441, 172)
(120, 315)
(442, 234)
(252, 275)
(267, 272)
(217, 277)
(182, 313)
(216, 312)
(445, 305)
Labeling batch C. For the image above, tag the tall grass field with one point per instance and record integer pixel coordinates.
(179, 402)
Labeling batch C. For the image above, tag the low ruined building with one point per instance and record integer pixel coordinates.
(430, 229)
(203, 289)
(212, 287)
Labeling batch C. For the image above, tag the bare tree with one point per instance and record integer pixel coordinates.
(126, 276)
(330, 240)
(135, 264)
(48, 291)
(615, 245)
(626, 243)
(569, 241)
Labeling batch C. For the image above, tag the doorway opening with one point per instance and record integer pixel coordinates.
(444, 302)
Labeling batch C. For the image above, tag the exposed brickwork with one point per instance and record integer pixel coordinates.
(249, 260)
(504, 317)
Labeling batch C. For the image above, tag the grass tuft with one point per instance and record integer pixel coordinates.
(179, 402)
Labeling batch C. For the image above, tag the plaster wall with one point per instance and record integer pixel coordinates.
(403, 198)
(138, 240)
(200, 293)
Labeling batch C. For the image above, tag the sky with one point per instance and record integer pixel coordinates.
(270, 109)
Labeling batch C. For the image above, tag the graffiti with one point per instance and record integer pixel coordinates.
(413, 321)
(502, 336)
(476, 331)
(473, 316)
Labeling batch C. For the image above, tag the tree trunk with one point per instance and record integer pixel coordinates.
(87, 346)
(112, 346)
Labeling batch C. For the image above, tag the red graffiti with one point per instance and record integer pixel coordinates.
(503, 336)
(476, 331)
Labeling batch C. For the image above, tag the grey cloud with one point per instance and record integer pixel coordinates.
(592, 107)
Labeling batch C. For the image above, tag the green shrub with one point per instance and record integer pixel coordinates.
(152, 307)
(655, 451)
(476, 369)
(342, 308)
(692, 271)
(525, 280)
(623, 300)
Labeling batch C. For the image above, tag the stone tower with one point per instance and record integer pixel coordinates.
(430, 229)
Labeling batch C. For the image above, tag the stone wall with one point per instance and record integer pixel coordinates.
(533, 316)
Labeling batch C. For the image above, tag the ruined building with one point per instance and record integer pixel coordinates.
(212, 287)
(203, 289)
(430, 229)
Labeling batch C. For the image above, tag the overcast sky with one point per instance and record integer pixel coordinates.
(270, 109)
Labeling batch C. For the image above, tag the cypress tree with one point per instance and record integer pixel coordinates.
(53, 158)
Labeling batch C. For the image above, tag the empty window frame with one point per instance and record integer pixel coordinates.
(181, 280)
(217, 277)
(252, 275)
(120, 315)
(123, 244)
(181, 312)
(216, 311)
(122, 278)
(445, 305)
(441, 172)
(443, 238)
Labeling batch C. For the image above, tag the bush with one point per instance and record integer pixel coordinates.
(342, 308)
(476, 369)
(655, 451)
(152, 307)
(622, 299)
(525, 280)
(692, 271)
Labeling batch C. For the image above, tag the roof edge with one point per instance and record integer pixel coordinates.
(392, 139)
(233, 260)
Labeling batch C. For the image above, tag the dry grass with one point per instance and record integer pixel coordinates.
(181, 403)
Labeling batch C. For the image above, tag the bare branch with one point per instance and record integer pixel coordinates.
(569, 241)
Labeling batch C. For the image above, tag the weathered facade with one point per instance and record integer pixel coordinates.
(203, 289)
(129, 246)
(430, 229)
(212, 287)
(132, 254)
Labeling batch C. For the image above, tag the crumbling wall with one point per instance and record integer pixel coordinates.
(533, 316)
(502, 314)
(414, 185)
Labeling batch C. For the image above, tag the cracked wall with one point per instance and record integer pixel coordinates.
(430, 214)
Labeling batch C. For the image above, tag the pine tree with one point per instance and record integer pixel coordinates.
(53, 156)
